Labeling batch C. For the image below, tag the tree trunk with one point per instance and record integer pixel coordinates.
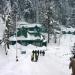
(48, 37)
(5, 50)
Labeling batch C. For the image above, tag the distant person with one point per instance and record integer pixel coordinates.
(32, 57)
(72, 64)
(43, 52)
(38, 52)
(74, 44)
(33, 52)
(36, 58)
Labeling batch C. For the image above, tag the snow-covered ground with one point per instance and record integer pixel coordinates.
(55, 62)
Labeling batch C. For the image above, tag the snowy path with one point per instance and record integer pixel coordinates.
(45, 66)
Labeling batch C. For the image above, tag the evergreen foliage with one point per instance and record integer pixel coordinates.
(22, 32)
(69, 32)
(74, 33)
(64, 32)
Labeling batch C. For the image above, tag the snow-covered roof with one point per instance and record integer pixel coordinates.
(45, 40)
(32, 31)
(29, 37)
(68, 29)
(57, 31)
(27, 25)
(22, 22)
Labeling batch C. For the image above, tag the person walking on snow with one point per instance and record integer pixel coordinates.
(38, 52)
(72, 64)
(43, 52)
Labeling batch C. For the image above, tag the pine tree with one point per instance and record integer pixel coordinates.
(7, 32)
(48, 22)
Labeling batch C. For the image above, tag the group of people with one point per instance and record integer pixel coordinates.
(36, 54)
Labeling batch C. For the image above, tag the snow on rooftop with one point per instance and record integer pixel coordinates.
(22, 22)
(68, 29)
(32, 31)
(29, 37)
(45, 40)
(27, 25)
(57, 31)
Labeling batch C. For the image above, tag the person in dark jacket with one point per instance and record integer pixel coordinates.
(32, 57)
(36, 57)
(43, 53)
(33, 52)
(38, 52)
(72, 64)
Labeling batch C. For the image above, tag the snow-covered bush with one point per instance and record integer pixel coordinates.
(64, 32)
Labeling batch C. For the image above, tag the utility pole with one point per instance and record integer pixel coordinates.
(16, 40)
(16, 35)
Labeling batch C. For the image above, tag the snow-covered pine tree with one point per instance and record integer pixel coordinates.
(14, 13)
(7, 32)
(48, 19)
(26, 10)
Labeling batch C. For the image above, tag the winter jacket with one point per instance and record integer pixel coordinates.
(72, 65)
